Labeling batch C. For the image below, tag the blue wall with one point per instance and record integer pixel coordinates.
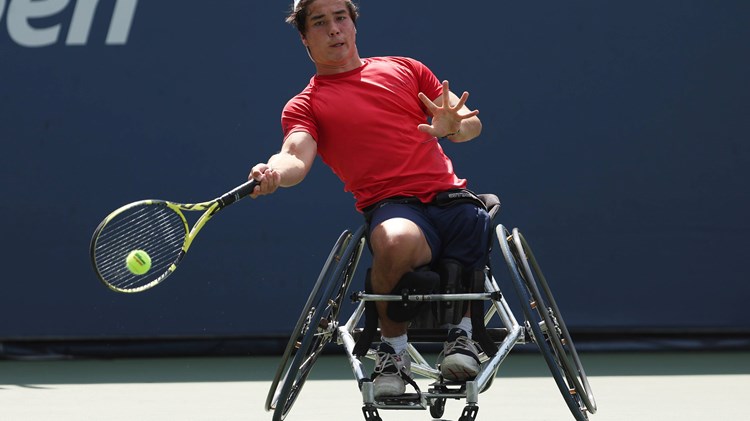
(616, 135)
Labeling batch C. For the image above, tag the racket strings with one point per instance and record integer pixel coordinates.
(155, 228)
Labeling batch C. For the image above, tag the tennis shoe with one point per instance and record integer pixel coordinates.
(390, 368)
(460, 357)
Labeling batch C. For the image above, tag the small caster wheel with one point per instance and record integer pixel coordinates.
(437, 409)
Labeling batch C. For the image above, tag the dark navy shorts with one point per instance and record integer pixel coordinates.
(460, 231)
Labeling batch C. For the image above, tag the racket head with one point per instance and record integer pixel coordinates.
(158, 227)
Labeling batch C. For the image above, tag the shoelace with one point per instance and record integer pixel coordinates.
(462, 342)
(385, 360)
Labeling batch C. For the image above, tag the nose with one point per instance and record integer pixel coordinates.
(333, 30)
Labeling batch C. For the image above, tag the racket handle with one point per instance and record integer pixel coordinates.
(237, 193)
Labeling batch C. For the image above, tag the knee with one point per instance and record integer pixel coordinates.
(400, 241)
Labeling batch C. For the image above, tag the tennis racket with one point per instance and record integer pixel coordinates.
(157, 227)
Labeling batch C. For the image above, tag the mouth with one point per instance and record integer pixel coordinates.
(337, 45)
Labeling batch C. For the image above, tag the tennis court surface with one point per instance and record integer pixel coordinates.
(683, 386)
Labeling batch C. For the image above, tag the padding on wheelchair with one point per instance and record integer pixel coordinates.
(491, 203)
(419, 282)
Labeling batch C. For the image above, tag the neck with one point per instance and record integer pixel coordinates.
(331, 68)
(325, 69)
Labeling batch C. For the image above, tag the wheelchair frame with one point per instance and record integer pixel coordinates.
(319, 324)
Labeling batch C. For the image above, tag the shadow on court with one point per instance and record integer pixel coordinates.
(336, 367)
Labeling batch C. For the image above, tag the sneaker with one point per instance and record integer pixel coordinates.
(387, 378)
(461, 357)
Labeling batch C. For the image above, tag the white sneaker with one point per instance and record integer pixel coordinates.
(461, 357)
(389, 368)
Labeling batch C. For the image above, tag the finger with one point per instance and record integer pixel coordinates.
(426, 128)
(274, 180)
(257, 171)
(461, 101)
(260, 173)
(426, 101)
(446, 94)
(256, 191)
(469, 114)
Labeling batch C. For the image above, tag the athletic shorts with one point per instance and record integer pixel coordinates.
(460, 231)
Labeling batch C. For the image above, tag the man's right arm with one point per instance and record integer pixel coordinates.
(288, 167)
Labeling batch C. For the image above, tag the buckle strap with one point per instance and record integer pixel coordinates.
(408, 379)
(452, 197)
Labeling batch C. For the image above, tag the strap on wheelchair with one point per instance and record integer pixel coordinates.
(451, 282)
(479, 330)
(488, 202)
(406, 377)
(456, 196)
(371, 322)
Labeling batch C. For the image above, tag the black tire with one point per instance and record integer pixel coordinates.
(561, 340)
(316, 326)
(546, 325)
(437, 409)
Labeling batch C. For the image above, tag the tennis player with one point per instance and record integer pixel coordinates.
(376, 122)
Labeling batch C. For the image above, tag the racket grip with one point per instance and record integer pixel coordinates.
(239, 192)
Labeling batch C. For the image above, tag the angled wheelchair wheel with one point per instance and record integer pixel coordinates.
(316, 326)
(546, 325)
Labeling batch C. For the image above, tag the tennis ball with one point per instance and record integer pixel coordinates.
(138, 262)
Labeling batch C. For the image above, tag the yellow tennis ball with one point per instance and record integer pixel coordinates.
(138, 262)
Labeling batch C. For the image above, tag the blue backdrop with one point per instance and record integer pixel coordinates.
(615, 133)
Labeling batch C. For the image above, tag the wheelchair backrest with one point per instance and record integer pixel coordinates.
(491, 202)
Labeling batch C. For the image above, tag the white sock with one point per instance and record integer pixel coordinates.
(398, 343)
(465, 325)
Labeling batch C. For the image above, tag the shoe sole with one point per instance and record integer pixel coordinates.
(458, 375)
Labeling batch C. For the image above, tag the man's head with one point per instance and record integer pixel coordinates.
(329, 33)
(298, 15)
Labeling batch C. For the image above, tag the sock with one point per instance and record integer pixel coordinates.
(398, 343)
(465, 325)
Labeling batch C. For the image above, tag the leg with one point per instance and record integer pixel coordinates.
(465, 232)
(398, 246)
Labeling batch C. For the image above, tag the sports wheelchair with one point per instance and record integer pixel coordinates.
(320, 324)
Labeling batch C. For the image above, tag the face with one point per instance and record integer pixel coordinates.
(331, 37)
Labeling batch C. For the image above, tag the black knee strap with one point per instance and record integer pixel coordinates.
(419, 282)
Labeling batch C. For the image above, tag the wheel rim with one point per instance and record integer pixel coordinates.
(566, 352)
(534, 324)
(320, 318)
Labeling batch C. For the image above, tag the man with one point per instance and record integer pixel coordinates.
(376, 122)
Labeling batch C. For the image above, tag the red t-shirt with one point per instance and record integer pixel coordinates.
(365, 124)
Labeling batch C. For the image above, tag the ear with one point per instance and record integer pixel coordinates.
(304, 40)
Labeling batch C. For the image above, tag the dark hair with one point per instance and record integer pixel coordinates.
(298, 15)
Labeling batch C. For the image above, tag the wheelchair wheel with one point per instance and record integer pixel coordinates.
(316, 326)
(437, 409)
(546, 324)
